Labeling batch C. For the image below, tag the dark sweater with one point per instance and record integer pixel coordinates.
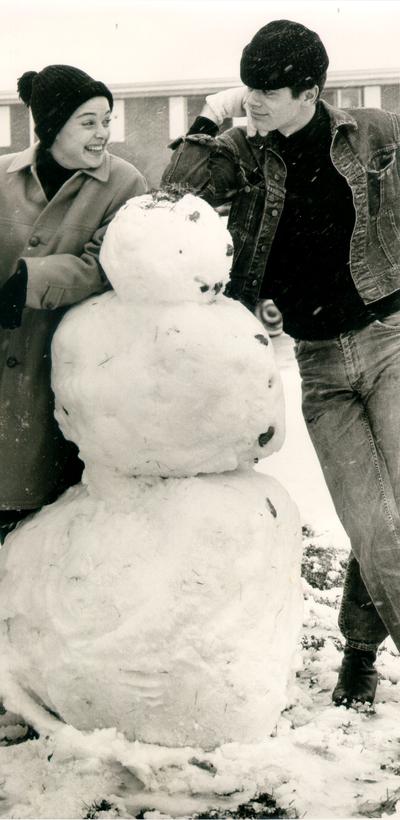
(51, 175)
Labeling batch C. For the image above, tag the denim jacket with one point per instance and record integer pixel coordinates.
(365, 149)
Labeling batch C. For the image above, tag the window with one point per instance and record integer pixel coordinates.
(330, 96)
(177, 116)
(350, 97)
(391, 98)
(5, 126)
(118, 122)
(32, 136)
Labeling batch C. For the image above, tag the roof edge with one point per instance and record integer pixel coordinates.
(176, 88)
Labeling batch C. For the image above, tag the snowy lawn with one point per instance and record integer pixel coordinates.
(321, 762)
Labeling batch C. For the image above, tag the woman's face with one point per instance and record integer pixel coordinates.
(82, 141)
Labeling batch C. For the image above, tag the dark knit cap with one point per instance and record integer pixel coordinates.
(53, 95)
(283, 54)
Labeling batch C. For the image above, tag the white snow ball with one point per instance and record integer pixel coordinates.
(158, 250)
(175, 620)
(172, 391)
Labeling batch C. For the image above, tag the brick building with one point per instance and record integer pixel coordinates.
(148, 115)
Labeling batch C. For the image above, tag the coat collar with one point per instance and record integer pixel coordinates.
(26, 158)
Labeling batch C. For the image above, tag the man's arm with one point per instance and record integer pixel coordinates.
(199, 163)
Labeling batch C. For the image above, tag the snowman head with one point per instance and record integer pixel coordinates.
(160, 248)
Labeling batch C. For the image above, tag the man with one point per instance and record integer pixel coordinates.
(315, 219)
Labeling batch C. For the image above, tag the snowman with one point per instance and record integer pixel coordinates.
(161, 596)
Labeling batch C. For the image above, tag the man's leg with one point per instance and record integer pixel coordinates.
(358, 620)
(342, 396)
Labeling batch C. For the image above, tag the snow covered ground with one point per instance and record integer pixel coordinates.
(321, 762)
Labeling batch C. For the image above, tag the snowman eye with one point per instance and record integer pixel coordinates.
(264, 438)
(217, 287)
(204, 288)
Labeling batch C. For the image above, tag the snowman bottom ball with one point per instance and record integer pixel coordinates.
(175, 621)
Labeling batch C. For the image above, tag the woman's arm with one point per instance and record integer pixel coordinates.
(62, 279)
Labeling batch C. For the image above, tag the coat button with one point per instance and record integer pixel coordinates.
(34, 241)
(274, 212)
(254, 283)
(11, 361)
(247, 189)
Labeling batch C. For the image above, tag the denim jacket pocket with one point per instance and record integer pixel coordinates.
(383, 183)
(383, 232)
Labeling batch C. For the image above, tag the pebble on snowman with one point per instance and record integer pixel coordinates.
(162, 595)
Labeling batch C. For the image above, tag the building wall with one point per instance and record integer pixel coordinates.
(146, 119)
(14, 128)
(391, 98)
(146, 136)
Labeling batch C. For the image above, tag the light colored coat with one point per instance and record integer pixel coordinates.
(60, 242)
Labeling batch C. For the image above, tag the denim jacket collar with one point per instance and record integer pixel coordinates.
(338, 118)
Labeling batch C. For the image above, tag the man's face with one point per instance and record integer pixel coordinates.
(277, 109)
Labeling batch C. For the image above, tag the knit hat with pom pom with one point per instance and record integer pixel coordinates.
(53, 95)
(283, 54)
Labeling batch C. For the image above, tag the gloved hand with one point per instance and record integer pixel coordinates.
(227, 104)
(13, 298)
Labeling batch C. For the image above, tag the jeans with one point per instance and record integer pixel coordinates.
(351, 405)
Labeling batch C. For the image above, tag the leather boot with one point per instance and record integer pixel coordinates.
(357, 679)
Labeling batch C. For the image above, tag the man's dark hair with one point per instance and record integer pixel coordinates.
(299, 87)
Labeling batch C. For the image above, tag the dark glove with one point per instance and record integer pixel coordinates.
(202, 125)
(13, 298)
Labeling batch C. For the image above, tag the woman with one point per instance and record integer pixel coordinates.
(56, 200)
